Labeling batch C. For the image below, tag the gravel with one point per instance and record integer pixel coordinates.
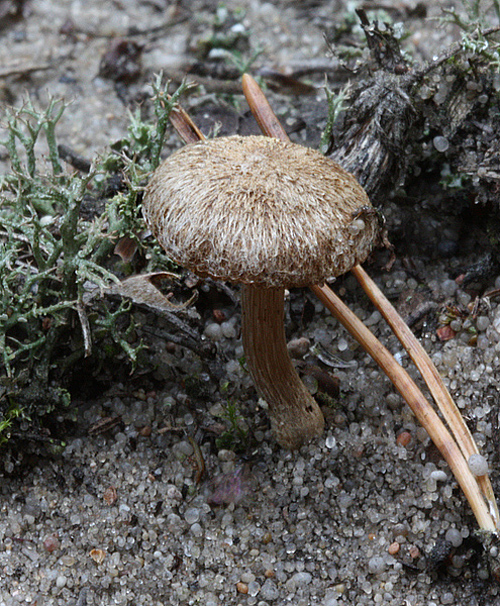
(120, 514)
(351, 519)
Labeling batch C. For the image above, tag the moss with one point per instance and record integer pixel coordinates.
(236, 437)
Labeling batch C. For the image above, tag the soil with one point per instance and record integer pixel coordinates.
(152, 500)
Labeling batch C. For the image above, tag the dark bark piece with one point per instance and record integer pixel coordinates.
(444, 115)
(373, 140)
(383, 45)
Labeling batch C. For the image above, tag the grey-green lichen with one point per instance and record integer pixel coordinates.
(58, 230)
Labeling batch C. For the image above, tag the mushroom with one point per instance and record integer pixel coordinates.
(270, 215)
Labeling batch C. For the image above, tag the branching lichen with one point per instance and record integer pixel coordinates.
(52, 253)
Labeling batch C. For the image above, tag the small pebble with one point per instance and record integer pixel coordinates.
(226, 455)
(97, 555)
(393, 401)
(373, 319)
(463, 298)
(196, 530)
(253, 588)
(454, 536)
(339, 419)
(439, 475)
(441, 143)
(482, 323)
(51, 543)
(228, 330)
(449, 287)
(61, 581)
(110, 495)
(404, 438)
(302, 578)
(342, 344)
(145, 431)
(192, 515)
(400, 530)
(330, 442)
(242, 587)
(376, 565)
(269, 591)
(213, 331)
(478, 465)
(393, 548)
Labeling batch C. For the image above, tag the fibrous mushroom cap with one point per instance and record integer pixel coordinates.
(259, 211)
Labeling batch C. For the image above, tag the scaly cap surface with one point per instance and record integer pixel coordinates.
(259, 211)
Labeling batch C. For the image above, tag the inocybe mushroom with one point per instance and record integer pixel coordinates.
(270, 215)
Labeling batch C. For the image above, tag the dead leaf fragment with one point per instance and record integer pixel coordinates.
(104, 424)
(110, 495)
(445, 333)
(126, 249)
(142, 290)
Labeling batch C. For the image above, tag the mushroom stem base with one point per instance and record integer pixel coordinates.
(295, 416)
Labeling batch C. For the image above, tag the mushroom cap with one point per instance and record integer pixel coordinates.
(259, 211)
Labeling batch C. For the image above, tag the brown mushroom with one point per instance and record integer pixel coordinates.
(455, 449)
(270, 215)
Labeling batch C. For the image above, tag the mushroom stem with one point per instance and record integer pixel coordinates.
(295, 415)
(415, 399)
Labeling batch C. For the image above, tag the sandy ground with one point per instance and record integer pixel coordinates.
(119, 517)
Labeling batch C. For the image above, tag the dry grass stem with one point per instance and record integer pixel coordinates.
(424, 412)
(432, 379)
(455, 453)
(184, 126)
(265, 116)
